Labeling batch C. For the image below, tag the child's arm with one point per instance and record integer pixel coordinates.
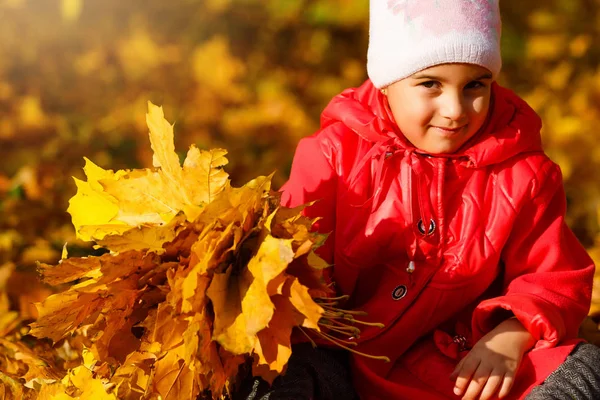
(547, 276)
(313, 177)
(547, 273)
(491, 364)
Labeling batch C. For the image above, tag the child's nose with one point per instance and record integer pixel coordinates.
(453, 107)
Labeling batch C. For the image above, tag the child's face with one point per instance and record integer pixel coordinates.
(438, 109)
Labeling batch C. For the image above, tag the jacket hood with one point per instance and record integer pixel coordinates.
(512, 126)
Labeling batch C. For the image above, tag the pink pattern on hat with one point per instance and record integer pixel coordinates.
(395, 6)
(457, 17)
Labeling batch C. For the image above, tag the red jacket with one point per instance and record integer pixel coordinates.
(483, 228)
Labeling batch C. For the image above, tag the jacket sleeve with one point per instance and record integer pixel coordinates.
(314, 178)
(548, 274)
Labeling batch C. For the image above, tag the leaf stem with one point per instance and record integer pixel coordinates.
(345, 297)
(339, 310)
(349, 332)
(382, 358)
(308, 337)
(376, 324)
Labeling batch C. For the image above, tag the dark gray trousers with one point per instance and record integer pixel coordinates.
(578, 378)
(319, 374)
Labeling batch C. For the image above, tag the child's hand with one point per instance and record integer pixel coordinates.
(490, 366)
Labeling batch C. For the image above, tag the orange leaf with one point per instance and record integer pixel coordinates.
(273, 348)
(163, 329)
(109, 299)
(70, 269)
(241, 303)
(173, 379)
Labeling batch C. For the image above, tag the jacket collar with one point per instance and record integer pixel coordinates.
(512, 128)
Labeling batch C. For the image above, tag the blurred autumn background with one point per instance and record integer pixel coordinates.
(250, 76)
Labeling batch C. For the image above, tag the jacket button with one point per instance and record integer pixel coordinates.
(399, 292)
(421, 227)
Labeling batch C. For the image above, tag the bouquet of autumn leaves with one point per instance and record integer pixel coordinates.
(200, 281)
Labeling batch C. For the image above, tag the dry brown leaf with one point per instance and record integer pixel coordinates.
(273, 348)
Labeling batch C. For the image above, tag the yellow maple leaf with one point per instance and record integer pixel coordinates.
(161, 141)
(207, 253)
(226, 220)
(230, 323)
(244, 204)
(241, 303)
(203, 173)
(90, 196)
(303, 302)
(52, 392)
(83, 379)
(145, 237)
(133, 377)
(126, 199)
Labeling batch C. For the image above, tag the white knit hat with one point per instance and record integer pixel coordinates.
(407, 36)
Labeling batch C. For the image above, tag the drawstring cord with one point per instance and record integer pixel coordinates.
(426, 225)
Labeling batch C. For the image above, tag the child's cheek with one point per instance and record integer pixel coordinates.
(426, 113)
(481, 103)
(418, 111)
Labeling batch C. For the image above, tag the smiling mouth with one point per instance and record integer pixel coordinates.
(449, 131)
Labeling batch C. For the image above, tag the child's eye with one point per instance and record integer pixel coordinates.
(475, 85)
(429, 84)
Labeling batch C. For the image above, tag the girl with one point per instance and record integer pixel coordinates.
(446, 219)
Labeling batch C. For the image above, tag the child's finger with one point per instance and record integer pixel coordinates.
(454, 373)
(467, 370)
(478, 381)
(493, 384)
(507, 384)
